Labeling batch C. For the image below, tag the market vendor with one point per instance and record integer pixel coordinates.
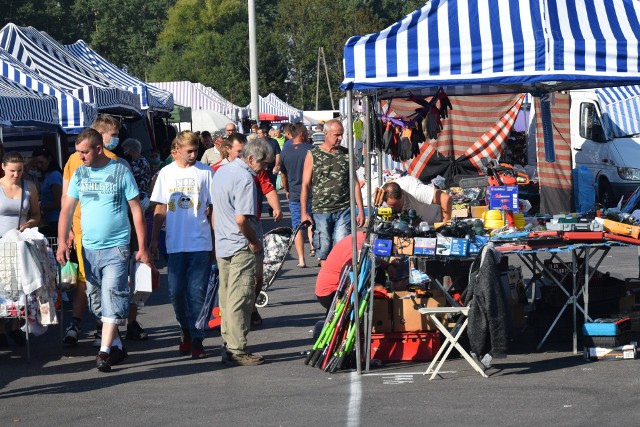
(328, 278)
(408, 192)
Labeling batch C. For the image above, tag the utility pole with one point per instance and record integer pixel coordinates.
(326, 71)
(253, 61)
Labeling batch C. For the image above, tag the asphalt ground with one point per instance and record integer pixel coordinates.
(156, 386)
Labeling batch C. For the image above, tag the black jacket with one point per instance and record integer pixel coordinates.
(487, 329)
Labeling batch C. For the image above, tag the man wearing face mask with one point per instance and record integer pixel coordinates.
(109, 127)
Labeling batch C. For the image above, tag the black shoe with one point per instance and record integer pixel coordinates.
(117, 355)
(103, 362)
(197, 349)
(256, 319)
(18, 337)
(135, 332)
(71, 335)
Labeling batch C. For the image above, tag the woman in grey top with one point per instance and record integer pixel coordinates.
(14, 193)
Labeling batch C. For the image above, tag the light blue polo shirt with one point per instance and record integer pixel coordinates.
(104, 194)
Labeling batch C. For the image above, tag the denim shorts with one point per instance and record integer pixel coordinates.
(330, 229)
(296, 212)
(108, 269)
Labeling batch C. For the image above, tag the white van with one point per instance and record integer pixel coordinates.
(605, 137)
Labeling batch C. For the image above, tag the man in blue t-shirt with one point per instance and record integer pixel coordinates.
(105, 188)
(291, 167)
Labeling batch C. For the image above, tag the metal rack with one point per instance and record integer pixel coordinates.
(13, 301)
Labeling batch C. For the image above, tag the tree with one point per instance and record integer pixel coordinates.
(302, 30)
(124, 31)
(206, 41)
(55, 17)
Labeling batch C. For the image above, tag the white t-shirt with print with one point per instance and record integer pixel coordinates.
(187, 192)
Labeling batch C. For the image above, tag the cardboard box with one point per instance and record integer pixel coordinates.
(405, 346)
(476, 244)
(451, 246)
(424, 246)
(403, 245)
(460, 213)
(477, 211)
(407, 319)
(625, 352)
(382, 318)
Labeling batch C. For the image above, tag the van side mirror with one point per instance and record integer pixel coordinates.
(590, 124)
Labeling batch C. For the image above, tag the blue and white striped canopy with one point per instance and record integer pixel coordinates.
(56, 66)
(21, 106)
(499, 46)
(620, 110)
(200, 97)
(294, 114)
(269, 108)
(151, 97)
(73, 114)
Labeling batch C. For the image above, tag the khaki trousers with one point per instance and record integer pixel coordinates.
(237, 297)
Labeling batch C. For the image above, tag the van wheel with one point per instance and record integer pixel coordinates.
(605, 194)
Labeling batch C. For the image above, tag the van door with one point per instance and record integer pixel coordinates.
(591, 148)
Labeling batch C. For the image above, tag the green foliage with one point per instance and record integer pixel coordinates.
(206, 41)
(50, 16)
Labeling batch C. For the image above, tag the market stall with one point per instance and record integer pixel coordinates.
(27, 267)
(525, 46)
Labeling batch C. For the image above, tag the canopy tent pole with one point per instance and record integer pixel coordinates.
(253, 61)
(59, 150)
(366, 118)
(354, 227)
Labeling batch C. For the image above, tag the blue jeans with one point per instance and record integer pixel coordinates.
(330, 229)
(108, 270)
(188, 277)
(296, 212)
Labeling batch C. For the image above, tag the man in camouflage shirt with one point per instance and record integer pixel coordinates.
(326, 170)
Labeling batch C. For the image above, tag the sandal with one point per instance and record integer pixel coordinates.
(301, 265)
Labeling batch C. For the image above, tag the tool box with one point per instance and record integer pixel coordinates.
(608, 333)
(405, 346)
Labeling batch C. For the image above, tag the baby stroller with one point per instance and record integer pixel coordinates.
(277, 244)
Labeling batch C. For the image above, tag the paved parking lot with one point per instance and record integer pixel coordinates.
(155, 386)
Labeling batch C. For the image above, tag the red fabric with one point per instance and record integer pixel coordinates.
(329, 275)
(261, 180)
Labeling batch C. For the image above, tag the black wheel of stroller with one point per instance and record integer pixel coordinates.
(262, 300)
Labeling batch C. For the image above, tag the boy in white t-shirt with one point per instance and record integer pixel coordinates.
(183, 192)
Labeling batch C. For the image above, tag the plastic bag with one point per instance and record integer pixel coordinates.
(278, 183)
(68, 276)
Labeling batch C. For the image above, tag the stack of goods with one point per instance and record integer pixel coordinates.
(609, 339)
(400, 332)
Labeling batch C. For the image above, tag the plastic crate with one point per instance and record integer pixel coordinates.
(405, 346)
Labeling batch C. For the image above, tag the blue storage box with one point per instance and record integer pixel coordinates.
(382, 247)
(607, 327)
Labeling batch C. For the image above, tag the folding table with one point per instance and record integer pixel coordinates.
(581, 256)
(452, 338)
